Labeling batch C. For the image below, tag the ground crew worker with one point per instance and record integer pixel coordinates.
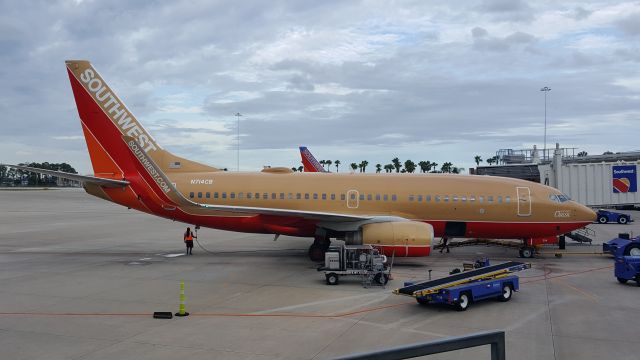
(188, 240)
(445, 244)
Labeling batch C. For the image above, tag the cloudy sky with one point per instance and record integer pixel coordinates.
(369, 80)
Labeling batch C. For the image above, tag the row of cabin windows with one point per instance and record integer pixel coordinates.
(460, 198)
(290, 196)
(352, 196)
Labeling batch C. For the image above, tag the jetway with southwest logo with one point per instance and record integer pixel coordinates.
(595, 184)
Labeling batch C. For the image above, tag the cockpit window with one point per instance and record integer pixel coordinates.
(559, 198)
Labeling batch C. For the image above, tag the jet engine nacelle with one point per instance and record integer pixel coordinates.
(400, 238)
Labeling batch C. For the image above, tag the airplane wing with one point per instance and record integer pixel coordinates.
(82, 178)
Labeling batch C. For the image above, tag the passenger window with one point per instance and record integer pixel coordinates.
(343, 197)
(257, 196)
(394, 197)
(454, 198)
(333, 196)
(273, 196)
(411, 198)
(361, 197)
(480, 199)
(352, 196)
(208, 195)
(298, 196)
(324, 196)
(419, 198)
(369, 197)
(224, 195)
(437, 198)
(446, 198)
(463, 198)
(386, 197)
(265, 196)
(249, 195)
(507, 199)
(215, 195)
(427, 198)
(472, 198)
(306, 196)
(282, 196)
(315, 196)
(377, 197)
(489, 199)
(290, 196)
(232, 195)
(199, 195)
(499, 199)
(191, 194)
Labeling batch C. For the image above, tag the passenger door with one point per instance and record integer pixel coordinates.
(524, 201)
(352, 199)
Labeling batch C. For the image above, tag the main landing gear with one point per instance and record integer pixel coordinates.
(318, 248)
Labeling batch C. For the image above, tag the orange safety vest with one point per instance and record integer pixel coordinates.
(188, 237)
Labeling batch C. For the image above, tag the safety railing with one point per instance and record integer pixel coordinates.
(493, 338)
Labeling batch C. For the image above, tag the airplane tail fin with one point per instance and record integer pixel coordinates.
(309, 161)
(105, 119)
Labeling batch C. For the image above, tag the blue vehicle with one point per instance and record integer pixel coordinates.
(463, 288)
(627, 268)
(606, 216)
(622, 246)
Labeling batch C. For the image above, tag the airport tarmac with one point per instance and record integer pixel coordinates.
(80, 278)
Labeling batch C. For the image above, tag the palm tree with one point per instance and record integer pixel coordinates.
(363, 165)
(337, 162)
(323, 163)
(328, 162)
(582, 153)
(410, 166)
(378, 168)
(295, 169)
(478, 160)
(354, 166)
(300, 168)
(396, 164)
(446, 167)
(389, 168)
(423, 166)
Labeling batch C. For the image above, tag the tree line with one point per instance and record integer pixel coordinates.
(408, 166)
(17, 177)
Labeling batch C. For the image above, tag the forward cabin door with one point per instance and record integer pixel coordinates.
(524, 201)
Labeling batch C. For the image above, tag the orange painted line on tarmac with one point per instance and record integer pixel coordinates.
(568, 274)
(299, 315)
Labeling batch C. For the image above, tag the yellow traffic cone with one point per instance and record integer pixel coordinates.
(181, 310)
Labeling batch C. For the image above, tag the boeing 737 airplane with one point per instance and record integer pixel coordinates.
(399, 213)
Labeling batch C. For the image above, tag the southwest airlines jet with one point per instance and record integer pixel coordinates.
(398, 213)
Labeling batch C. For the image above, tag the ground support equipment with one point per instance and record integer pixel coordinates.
(356, 260)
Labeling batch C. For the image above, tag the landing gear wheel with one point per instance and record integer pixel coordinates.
(603, 220)
(633, 250)
(622, 281)
(622, 220)
(316, 253)
(422, 301)
(463, 302)
(332, 279)
(381, 279)
(507, 292)
(527, 252)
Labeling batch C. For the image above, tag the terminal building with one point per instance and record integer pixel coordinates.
(609, 180)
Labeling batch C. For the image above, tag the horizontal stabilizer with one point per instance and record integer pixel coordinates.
(82, 178)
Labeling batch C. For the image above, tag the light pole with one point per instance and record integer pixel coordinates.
(546, 89)
(238, 116)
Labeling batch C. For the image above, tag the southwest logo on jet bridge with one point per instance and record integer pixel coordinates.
(624, 179)
(116, 111)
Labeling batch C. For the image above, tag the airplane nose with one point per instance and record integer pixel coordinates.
(584, 213)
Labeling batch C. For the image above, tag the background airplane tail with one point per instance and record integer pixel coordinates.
(105, 119)
(309, 161)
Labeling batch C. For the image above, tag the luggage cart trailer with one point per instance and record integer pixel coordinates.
(355, 260)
